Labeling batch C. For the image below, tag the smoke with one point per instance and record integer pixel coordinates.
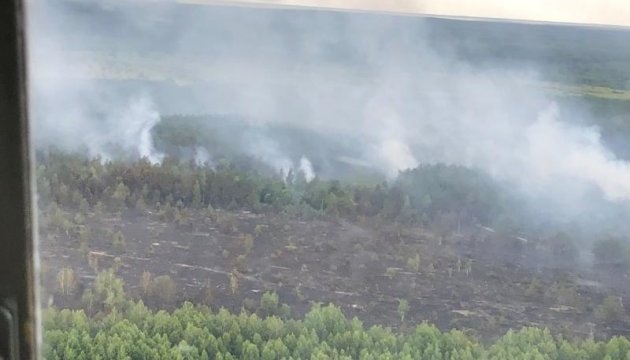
(270, 153)
(138, 119)
(72, 107)
(557, 150)
(266, 150)
(104, 126)
(396, 156)
(307, 169)
(379, 80)
(202, 157)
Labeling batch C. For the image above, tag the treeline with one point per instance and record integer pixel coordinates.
(125, 329)
(444, 198)
(430, 192)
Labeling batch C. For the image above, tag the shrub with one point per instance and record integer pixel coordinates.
(226, 223)
(241, 263)
(233, 277)
(118, 241)
(610, 310)
(248, 242)
(145, 282)
(163, 289)
(390, 272)
(403, 308)
(413, 264)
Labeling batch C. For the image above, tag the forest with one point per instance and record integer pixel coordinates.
(328, 185)
(119, 234)
(124, 329)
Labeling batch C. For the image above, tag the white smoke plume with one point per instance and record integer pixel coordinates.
(307, 169)
(72, 109)
(269, 153)
(77, 122)
(202, 157)
(395, 156)
(140, 118)
(377, 79)
(556, 151)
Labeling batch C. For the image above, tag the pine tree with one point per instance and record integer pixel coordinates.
(196, 195)
(403, 307)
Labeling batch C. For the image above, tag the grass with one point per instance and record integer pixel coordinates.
(601, 92)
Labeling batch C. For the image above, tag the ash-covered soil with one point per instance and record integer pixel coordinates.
(469, 279)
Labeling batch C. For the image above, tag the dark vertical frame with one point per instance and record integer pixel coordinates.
(17, 243)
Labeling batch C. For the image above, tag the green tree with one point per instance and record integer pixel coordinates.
(145, 282)
(163, 289)
(413, 264)
(610, 310)
(120, 196)
(66, 281)
(106, 294)
(403, 308)
(269, 304)
(248, 242)
(197, 202)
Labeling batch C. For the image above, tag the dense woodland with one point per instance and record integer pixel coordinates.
(443, 198)
(119, 328)
(419, 195)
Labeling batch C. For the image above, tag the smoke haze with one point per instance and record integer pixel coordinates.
(609, 12)
(379, 80)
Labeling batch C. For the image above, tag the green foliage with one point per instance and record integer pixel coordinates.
(119, 196)
(413, 263)
(325, 333)
(240, 263)
(196, 195)
(233, 278)
(57, 219)
(226, 223)
(163, 289)
(66, 281)
(270, 306)
(248, 242)
(85, 234)
(207, 294)
(610, 310)
(534, 289)
(107, 294)
(391, 272)
(268, 303)
(118, 241)
(258, 230)
(145, 283)
(403, 307)
(429, 192)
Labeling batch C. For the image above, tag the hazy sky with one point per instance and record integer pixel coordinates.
(608, 12)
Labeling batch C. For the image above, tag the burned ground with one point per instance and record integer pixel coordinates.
(462, 280)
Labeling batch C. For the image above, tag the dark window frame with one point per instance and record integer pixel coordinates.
(19, 329)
